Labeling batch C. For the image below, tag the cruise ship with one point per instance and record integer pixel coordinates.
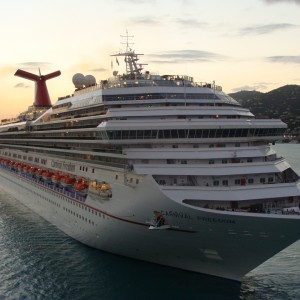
(159, 168)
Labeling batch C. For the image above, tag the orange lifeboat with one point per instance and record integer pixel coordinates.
(26, 168)
(47, 175)
(32, 170)
(67, 180)
(20, 166)
(57, 177)
(39, 172)
(81, 185)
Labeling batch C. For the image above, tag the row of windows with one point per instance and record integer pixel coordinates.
(243, 181)
(79, 216)
(192, 133)
(25, 157)
(155, 96)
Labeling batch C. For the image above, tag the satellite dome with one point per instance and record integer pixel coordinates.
(78, 80)
(89, 80)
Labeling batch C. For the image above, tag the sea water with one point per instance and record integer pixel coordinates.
(37, 261)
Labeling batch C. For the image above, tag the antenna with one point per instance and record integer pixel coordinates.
(127, 43)
(41, 94)
(133, 68)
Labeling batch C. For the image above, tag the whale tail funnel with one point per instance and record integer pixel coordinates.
(42, 98)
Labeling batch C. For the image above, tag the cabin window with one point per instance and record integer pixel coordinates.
(211, 161)
(216, 182)
(250, 180)
(225, 182)
(262, 180)
(237, 181)
(270, 179)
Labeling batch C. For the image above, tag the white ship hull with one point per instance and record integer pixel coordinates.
(222, 244)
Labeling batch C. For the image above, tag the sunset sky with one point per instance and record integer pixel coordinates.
(241, 45)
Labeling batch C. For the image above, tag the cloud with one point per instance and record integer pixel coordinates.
(265, 29)
(258, 86)
(34, 65)
(284, 59)
(190, 23)
(146, 20)
(282, 1)
(21, 85)
(99, 70)
(179, 56)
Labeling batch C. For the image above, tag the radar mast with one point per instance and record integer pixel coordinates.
(133, 68)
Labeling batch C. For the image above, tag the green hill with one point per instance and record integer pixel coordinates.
(282, 103)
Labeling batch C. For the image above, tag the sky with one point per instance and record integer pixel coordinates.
(241, 45)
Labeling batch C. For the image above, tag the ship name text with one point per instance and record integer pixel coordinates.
(63, 166)
(183, 215)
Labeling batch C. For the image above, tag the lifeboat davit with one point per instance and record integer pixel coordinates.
(67, 181)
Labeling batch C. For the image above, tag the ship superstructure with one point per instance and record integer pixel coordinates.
(159, 168)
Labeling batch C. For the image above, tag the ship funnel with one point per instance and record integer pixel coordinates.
(41, 94)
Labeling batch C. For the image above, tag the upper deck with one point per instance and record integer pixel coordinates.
(148, 80)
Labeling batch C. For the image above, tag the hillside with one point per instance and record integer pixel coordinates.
(282, 103)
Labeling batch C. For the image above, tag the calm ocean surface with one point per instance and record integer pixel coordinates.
(37, 261)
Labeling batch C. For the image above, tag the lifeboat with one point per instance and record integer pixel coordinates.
(13, 165)
(81, 186)
(47, 175)
(105, 190)
(100, 190)
(67, 180)
(20, 166)
(38, 173)
(32, 170)
(26, 168)
(57, 177)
